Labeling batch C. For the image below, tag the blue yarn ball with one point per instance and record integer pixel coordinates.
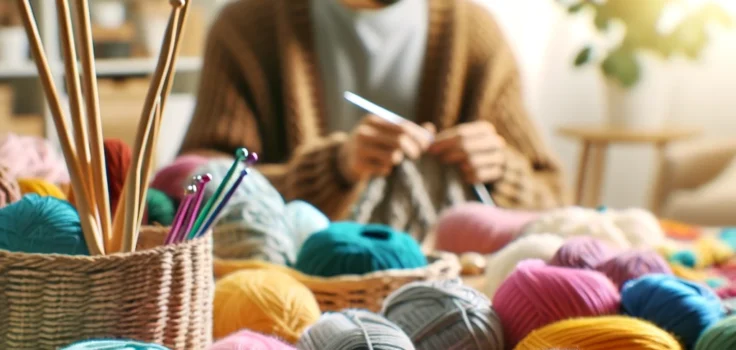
(679, 306)
(45, 225)
(304, 220)
(113, 345)
(347, 248)
(728, 235)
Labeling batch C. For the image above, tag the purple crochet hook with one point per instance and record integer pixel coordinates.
(250, 160)
(202, 181)
(181, 213)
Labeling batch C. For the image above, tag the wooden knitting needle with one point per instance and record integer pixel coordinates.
(71, 75)
(135, 193)
(89, 226)
(94, 122)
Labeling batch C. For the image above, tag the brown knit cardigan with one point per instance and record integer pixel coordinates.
(260, 89)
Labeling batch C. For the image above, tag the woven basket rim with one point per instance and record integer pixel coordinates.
(110, 257)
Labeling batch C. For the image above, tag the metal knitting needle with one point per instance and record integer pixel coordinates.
(480, 189)
(190, 191)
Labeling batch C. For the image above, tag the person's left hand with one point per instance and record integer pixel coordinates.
(475, 148)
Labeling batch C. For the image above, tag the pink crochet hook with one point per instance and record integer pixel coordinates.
(202, 181)
(181, 213)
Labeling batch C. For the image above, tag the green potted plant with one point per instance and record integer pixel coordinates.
(650, 34)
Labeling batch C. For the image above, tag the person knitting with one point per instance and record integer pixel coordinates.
(273, 80)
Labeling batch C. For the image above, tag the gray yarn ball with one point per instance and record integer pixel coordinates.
(354, 330)
(445, 315)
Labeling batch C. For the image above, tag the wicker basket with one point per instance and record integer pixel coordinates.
(161, 295)
(356, 291)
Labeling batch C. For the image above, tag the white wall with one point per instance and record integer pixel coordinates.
(546, 39)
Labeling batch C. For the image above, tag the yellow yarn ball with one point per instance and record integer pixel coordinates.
(40, 187)
(604, 332)
(265, 301)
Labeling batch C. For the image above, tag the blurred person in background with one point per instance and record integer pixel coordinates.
(273, 81)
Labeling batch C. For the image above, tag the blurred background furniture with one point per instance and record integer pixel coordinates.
(594, 142)
(698, 183)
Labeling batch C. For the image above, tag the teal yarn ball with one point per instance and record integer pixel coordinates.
(161, 208)
(681, 307)
(351, 248)
(304, 220)
(113, 345)
(45, 225)
(722, 335)
(728, 235)
(685, 258)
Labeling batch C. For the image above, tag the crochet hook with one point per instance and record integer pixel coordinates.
(480, 189)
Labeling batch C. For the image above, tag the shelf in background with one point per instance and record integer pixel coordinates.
(105, 67)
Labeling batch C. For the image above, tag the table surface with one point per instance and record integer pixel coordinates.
(593, 133)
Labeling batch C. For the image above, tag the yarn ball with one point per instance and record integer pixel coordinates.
(38, 224)
(250, 230)
(444, 315)
(265, 301)
(475, 227)
(501, 264)
(304, 219)
(175, 177)
(721, 335)
(681, 307)
(354, 329)
(641, 228)
(32, 157)
(633, 264)
(575, 221)
(113, 344)
(536, 294)
(161, 209)
(347, 248)
(118, 156)
(582, 252)
(685, 258)
(600, 333)
(245, 339)
(9, 189)
(40, 187)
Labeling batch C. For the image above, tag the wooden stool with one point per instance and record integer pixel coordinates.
(595, 141)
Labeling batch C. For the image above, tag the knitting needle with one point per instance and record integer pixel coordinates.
(148, 158)
(180, 214)
(71, 75)
(170, 74)
(87, 219)
(202, 181)
(480, 189)
(94, 122)
(136, 192)
(241, 154)
(252, 159)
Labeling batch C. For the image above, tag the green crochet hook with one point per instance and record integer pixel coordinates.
(241, 154)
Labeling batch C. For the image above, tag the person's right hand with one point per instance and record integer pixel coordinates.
(375, 146)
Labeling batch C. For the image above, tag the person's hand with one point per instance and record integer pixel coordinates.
(475, 148)
(375, 146)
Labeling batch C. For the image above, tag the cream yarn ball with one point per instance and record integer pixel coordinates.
(576, 221)
(541, 246)
(641, 228)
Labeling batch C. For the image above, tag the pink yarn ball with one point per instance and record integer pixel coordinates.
(582, 252)
(32, 157)
(633, 264)
(247, 340)
(536, 294)
(175, 177)
(475, 227)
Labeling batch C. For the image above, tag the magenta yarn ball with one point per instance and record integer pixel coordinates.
(582, 252)
(475, 227)
(248, 340)
(536, 294)
(632, 264)
(174, 178)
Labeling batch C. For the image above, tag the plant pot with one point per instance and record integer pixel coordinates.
(108, 13)
(13, 46)
(644, 105)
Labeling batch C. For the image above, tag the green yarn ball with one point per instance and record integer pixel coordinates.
(161, 208)
(721, 335)
(685, 258)
(113, 344)
(351, 248)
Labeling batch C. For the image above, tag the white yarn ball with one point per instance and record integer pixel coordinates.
(304, 220)
(534, 246)
(640, 227)
(575, 221)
